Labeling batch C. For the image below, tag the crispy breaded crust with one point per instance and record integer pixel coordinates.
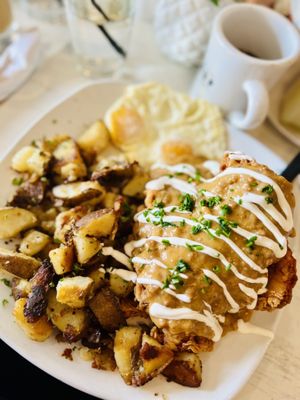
(282, 279)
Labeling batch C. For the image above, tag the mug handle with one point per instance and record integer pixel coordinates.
(257, 108)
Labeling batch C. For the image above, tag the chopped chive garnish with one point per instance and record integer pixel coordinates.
(269, 200)
(4, 302)
(268, 189)
(174, 277)
(166, 242)
(211, 202)
(196, 229)
(187, 203)
(216, 268)
(240, 201)
(254, 184)
(250, 243)
(228, 267)
(6, 282)
(207, 280)
(158, 204)
(194, 247)
(17, 181)
(225, 210)
(182, 222)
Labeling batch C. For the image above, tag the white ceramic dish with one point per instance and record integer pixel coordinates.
(276, 95)
(225, 370)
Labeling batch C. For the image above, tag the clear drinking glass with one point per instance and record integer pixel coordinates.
(5, 23)
(47, 10)
(100, 33)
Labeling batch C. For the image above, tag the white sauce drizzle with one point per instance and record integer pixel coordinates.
(146, 261)
(229, 298)
(186, 169)
(246, 327)
(159, 311)
(117, 255)
(178, 184)
(212, 166)
(220, 318)
(237, 155)
(250, 293)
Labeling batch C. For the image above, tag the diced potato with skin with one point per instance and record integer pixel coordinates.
(109, 199)
(14, 220)
(106, 307)
(100, 223)
(33, 242)
(104, 359)
(136, 186)
(20, 288)
(64, 220)
(31, 159)
(75, 291)
(62, 259)
(85, 247)
(185, 369)
(126, 347)
(18, 264)
(154, 358)
(39, 330)
(98, 277)
(71, 322)
(72, 194)
(119, 286)
(95, 139)
(68, 163)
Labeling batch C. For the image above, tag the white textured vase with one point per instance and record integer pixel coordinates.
(183, 27)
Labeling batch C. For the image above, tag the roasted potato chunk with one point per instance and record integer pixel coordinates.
(95, 139)
(153, 358)
(68, 163)
(104, 359)
(18, 264)
(65, 219)
(32, 160)
(75, 291)
(29, 194)
(98, 276)
(85, 247)
(14, 220)
(20, 288)
(100, 223)
(72, 194)
(114, 173)
(62, 259)
(71, 322)
(39, 330)
(135, 187)
(106, 307)
(119, 286)
(126, 348)
(33, 242)
(185, 369)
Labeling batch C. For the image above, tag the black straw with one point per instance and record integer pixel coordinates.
(111, 40)
(293, 169)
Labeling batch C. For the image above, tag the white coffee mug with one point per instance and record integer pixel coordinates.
(250, 48)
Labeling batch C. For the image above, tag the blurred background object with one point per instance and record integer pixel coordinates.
(48, 10)
(5, 23)
(100, 34)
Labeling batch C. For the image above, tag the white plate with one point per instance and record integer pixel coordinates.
(276, 95)
(225, 370)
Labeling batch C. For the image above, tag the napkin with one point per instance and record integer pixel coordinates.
(18, 61)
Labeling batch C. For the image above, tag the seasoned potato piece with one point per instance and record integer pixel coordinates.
(68, 163)
(135, 187)
(104, 359)
(33, 242)
(50, 144)
(85, 247)
(119, 286)
(95, 139)
(154, 358)
(126, 347)
(71, 322)
(31, 159)
(100, 223)
(14, 220)
(29, 194)
(185, 369)
(18, 264)
(62, 259)
(75, 291)
(106, 307)
(109, 199)
(20, 288)
(65, 219)
(111, 172)
(39, 330)
(72, 194)
(98, 276)
(46, 217)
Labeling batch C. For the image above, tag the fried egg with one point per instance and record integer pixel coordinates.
(151, 117)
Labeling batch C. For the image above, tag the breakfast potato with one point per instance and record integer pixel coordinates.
(106, 307)
(65, 220)
(119, 286)
(68, 163)
(135, 187)
(71, 322)
(185, 369)
(95, 139)
(75, 291)
(14, 220)
(104, 359)
(114, 173)
(98, 276)
(29, 194)
(86, 247)
(33, 242)
(126, 347)
(46, 217)
(18, 264)
(39, 330)
(100, 223)
(62, 259)
(20, 288)
(153, 358)
(31, 159)
(72, 194)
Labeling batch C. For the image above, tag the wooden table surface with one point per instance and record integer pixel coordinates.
(277, 377)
